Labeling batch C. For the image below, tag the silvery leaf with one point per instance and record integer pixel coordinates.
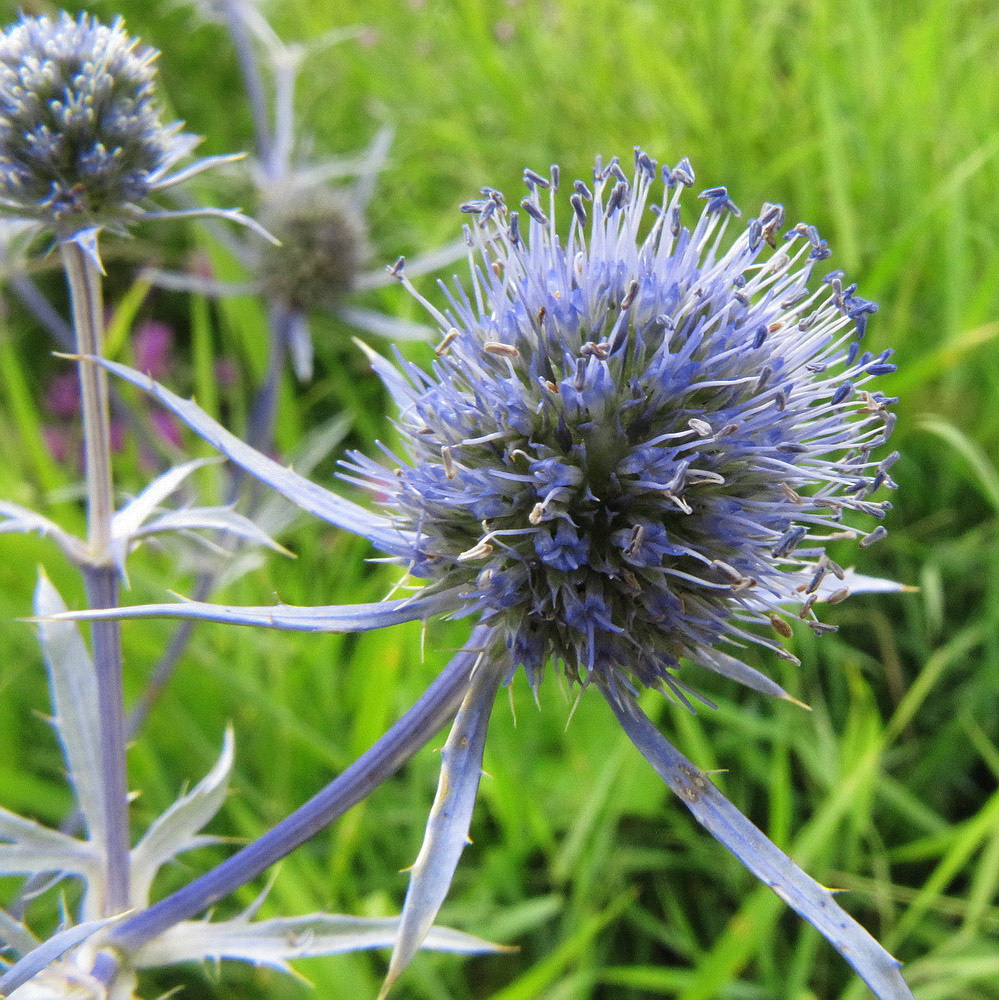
(21, 519)
(325, 504)
(73, 687)
(383, 326)
(31, 848)
(758, 853)
(275, 512)
(273, 942)
(289, 617)
(134, 514)
(208, 519)
(447, 826)
(175, 830)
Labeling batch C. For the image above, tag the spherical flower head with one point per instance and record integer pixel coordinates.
(637, 439)
(323, 247)
(81, 141)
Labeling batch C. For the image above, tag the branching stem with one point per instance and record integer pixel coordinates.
(100, 574)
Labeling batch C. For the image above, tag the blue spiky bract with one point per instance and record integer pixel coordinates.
(81, 141)
(637, 437)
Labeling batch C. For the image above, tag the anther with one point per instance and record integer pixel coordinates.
(730, 572)
(534, 211)
(808, 605)
(875, 536)
(790, 494)
(500, 350)
(449, 338)
(635, 540)
(789, 541)
(478, 551)
(601, 351)
(781, 627)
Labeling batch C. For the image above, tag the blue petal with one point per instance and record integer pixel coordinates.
(447, 827)
(763, 858)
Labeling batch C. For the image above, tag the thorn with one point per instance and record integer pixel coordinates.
(794, 701)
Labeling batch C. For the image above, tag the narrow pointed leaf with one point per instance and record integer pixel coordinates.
(32, 848)
(209, 519)
(729, 666)
(86, 240)
(762, 857)
(858, 583)
(402, 391)
(73, 686)
(273, 942)
(450, 817)
(137, 511)
(174, 831)
(41, 957)
(287, 617)
(229, 214)
(21, 519)
(301, 491)
(275, 513)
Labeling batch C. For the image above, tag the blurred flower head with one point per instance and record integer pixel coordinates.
(637, 440)
(323, 249)
(81, 141)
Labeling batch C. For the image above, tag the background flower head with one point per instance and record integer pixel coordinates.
(323, 249)
(81, 140)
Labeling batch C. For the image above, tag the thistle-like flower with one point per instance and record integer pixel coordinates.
(82, 146)
(631, 450)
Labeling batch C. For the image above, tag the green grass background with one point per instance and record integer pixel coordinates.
(878, 122)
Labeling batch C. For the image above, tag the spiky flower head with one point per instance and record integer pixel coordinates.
(637, 439)
(323, 249)
(81, 141)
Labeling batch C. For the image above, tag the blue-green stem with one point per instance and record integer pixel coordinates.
(433, 710)
(100, 573)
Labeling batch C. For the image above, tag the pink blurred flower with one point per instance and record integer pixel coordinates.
(62, 395)
(153, 344)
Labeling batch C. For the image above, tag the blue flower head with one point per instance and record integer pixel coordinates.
(637, 439)
(81, 141)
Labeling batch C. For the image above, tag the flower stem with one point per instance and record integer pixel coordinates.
(100, 574)
(252, 80)
(436, 706)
